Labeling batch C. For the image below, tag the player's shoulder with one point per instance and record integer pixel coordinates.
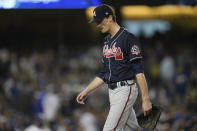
(131, 38)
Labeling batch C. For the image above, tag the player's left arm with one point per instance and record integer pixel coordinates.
(146, 103)
(138, 69)
(136, 60)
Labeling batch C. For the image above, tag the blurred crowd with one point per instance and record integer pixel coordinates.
(38, 89)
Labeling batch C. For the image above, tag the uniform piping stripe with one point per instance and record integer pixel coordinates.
(131, 83)
(123, 109)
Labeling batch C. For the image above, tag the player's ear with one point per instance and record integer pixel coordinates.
(110, 18)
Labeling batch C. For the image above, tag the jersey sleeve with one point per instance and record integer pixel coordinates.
(103, 71)
(137, 66)
(134, 48)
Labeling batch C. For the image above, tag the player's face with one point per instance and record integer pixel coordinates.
(104, 25)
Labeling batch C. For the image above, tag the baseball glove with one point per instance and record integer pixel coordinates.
(149, 122)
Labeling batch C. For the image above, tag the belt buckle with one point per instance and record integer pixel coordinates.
(119, 84)
(122, 83)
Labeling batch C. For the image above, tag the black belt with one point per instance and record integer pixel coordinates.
(115, 85)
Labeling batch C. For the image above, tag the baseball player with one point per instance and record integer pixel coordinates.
(122, 68)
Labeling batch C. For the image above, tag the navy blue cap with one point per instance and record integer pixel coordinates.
(100, 12)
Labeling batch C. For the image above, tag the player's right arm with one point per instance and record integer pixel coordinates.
(97, 82)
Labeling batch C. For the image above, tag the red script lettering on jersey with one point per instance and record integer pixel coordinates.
(112, 52)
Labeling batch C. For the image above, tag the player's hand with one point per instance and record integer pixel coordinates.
(81, 97)
(146, 106)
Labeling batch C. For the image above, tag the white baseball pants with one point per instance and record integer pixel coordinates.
(122, 116)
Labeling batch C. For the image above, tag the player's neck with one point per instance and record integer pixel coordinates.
(114, 29)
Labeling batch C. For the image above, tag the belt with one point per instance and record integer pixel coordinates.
(121, 83)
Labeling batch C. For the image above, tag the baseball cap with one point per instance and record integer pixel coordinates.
(100, 12)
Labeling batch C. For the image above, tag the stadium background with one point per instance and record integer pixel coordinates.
(48, 55)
